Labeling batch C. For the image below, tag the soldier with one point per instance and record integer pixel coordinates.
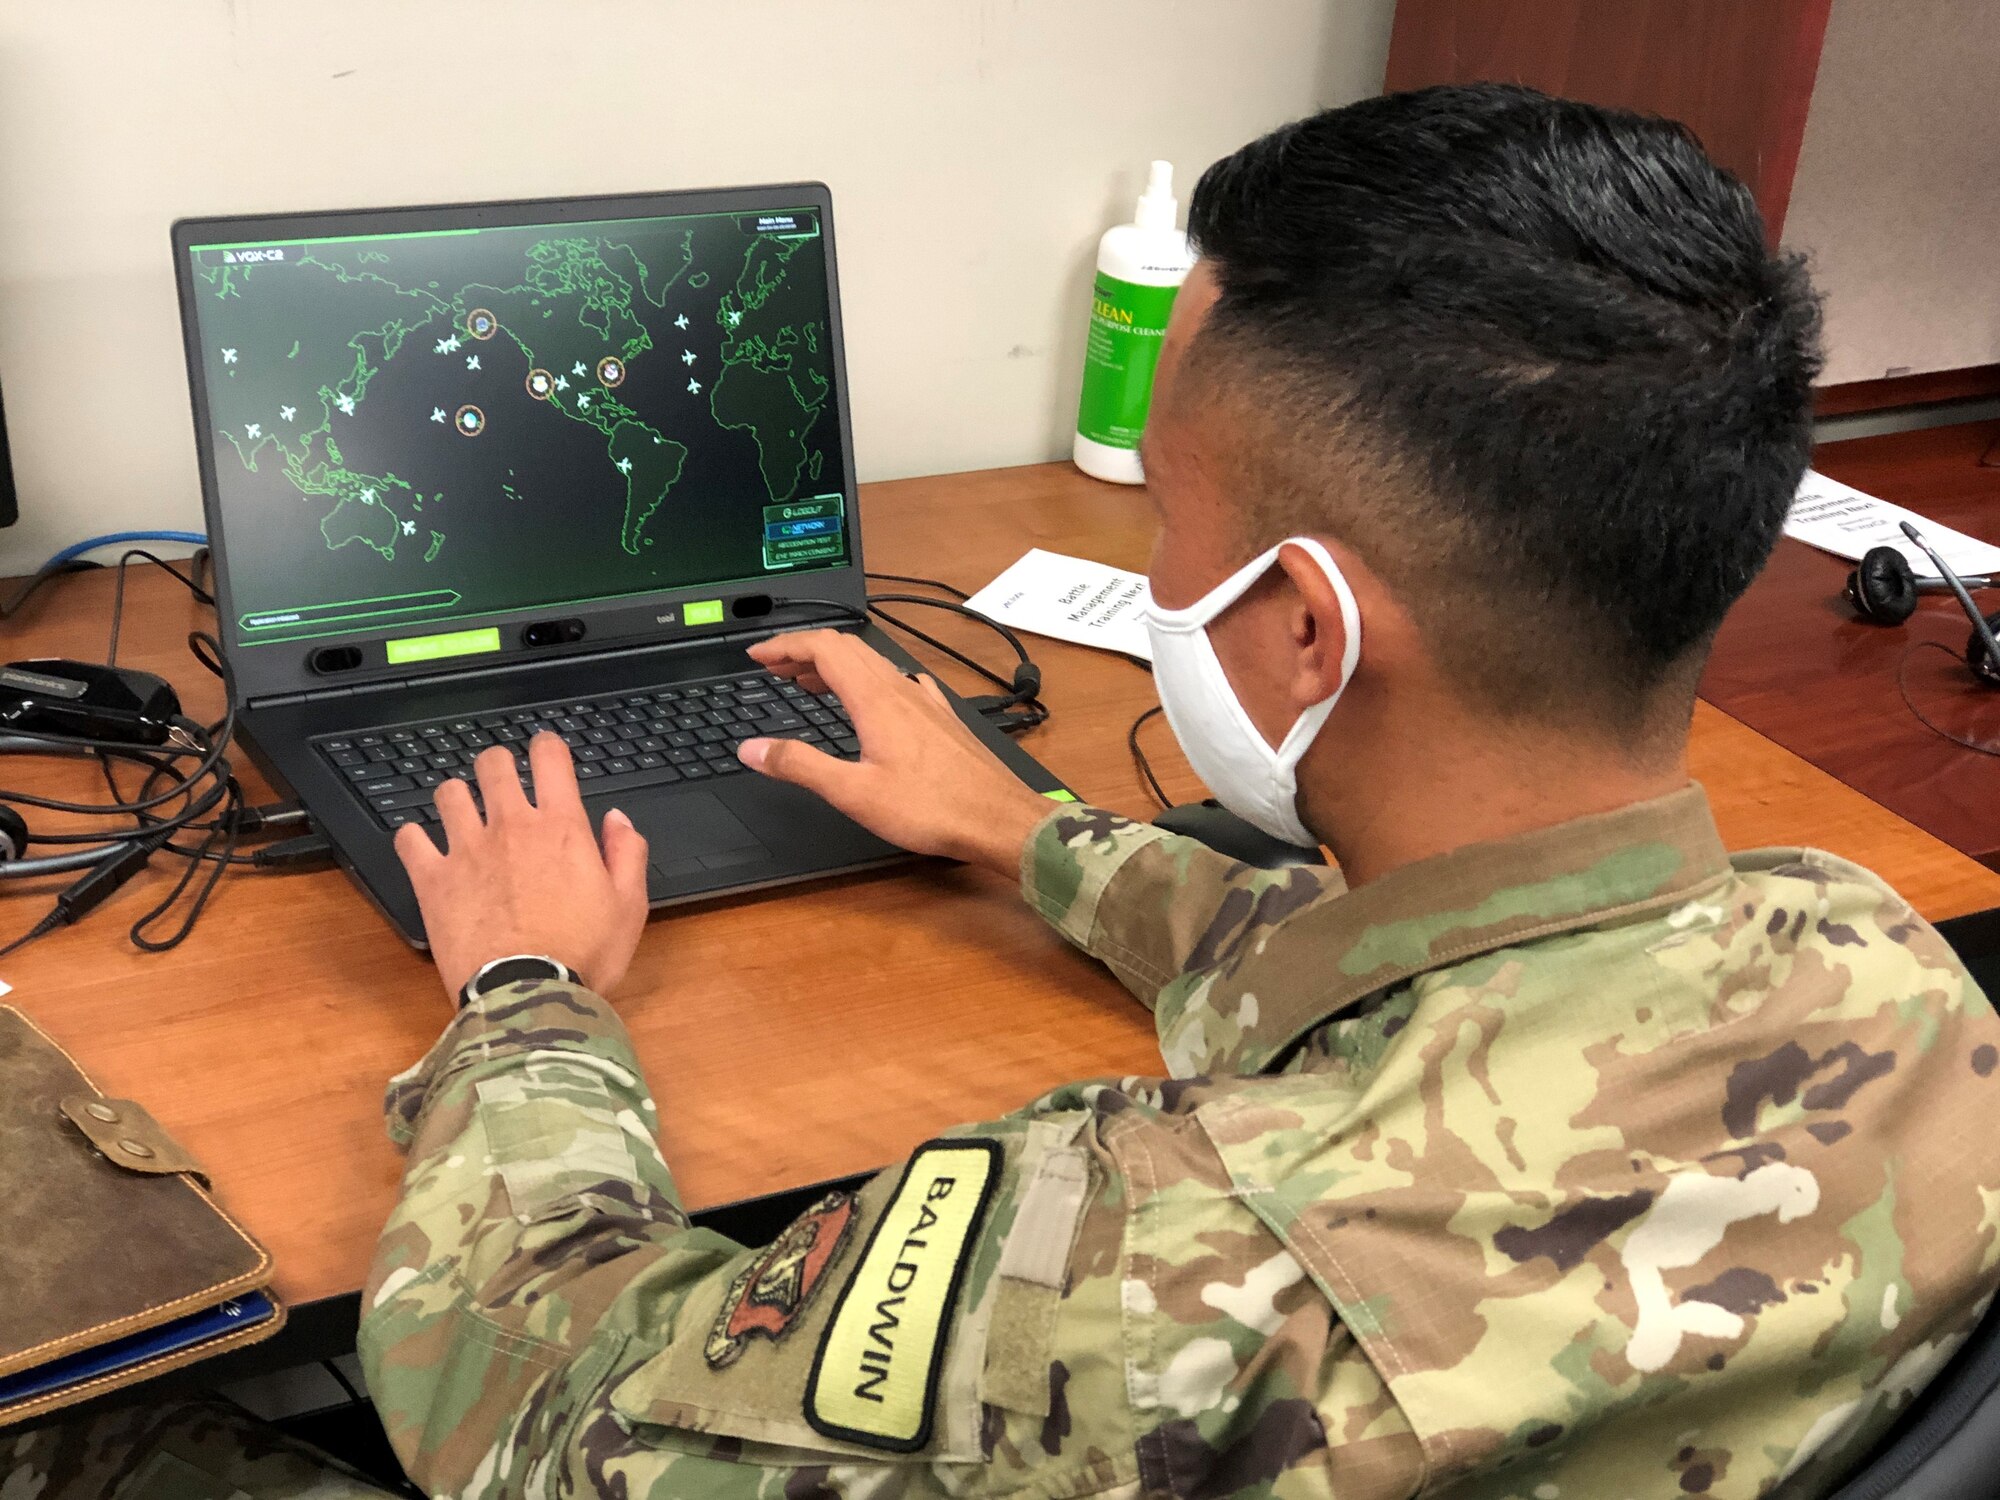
(1554, 1153)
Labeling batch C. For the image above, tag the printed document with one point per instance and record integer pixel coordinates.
(1072, 599)
(1840, 519)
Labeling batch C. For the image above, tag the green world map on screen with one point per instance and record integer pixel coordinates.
(429, 426)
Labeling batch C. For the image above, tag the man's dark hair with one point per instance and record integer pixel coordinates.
(1532, 359)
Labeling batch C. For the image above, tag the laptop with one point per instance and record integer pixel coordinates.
(471, 472)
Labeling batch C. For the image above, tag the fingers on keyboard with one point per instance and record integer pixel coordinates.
(655, 738)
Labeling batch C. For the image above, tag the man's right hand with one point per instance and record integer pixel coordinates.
(923, 780)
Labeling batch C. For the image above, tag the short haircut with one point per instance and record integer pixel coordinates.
(1532, 359)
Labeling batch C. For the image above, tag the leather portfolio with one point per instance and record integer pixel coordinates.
(115, 1263)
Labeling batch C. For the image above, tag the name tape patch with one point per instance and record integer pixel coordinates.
(876, 1375)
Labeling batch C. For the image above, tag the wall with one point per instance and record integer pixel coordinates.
(1897, 198)
(975, 151)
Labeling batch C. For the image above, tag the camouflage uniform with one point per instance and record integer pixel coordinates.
(197, 1450)
(1586, 1163)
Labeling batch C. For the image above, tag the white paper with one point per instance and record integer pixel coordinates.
(1071, 599)
(1840, 519)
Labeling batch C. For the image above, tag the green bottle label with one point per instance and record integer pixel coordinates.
(1127, 323)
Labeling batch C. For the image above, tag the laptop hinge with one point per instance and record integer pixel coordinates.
(390, 685)
(318, 695)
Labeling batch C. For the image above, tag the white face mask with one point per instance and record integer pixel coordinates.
(1258, 784)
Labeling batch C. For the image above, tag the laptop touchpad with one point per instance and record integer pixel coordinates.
(691, 833)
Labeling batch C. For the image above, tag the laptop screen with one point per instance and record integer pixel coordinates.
(415, 431)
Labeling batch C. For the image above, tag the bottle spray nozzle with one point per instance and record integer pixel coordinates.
(1158, 207)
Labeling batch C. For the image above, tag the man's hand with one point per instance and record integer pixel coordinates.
(923, 781)
(528, 877)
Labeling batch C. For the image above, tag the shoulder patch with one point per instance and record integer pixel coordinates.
(875, 1377)
(768, 1295)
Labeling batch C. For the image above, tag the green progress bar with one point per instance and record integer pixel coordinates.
(437, 647)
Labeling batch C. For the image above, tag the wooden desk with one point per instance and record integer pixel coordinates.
(1794, 663)
(791, 1037)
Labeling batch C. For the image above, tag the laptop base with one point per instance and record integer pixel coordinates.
(708, 837)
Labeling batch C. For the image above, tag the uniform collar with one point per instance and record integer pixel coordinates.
(1452, 907)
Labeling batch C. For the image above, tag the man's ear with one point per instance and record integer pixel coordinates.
(1319, 634)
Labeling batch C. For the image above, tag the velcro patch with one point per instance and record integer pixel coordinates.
(875, 1378)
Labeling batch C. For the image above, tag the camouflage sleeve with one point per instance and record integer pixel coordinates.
(1070, 1300)
(536, 1213)
(1164, 912)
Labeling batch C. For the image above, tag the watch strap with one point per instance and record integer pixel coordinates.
(514, 970)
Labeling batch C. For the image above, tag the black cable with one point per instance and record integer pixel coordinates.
(199, 648)
(1139, 756)
(210, 758)
(860, 617)
(271, 817)
(354, 1397)
(89, 891)
(43, 928)
(202, 595)
(117, 612)
(952, 606)
(958, 596)
(941, 647)
(929, 583)
(202, 794)
(235, 820)
(200, 799)
(1020, 692)
(199, 904)
(846, 612)
(226, 828)
(158, 812)
(1903, 687)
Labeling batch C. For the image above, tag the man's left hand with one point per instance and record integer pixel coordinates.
(528, 877)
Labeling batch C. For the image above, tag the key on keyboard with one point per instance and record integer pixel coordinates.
(688, 732)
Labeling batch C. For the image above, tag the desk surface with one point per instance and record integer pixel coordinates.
(790, 1037)
(1794, 663)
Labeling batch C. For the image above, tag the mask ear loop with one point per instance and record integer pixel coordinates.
(1197, 615)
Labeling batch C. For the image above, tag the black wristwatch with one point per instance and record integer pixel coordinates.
(504, 971)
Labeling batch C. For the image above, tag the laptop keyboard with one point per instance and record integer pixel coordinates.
(688, 732)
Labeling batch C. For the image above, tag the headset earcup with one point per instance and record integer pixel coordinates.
(1883, 588)
(13, 834)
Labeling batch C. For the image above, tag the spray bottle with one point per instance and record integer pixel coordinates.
(1140, 266)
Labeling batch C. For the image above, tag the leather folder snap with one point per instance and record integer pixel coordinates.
(116, 1263)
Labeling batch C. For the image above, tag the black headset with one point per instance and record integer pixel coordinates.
(13, 835)
(1883, 590)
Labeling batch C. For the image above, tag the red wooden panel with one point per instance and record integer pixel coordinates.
(1739, 73)
(1907, 390)
(1794, 663)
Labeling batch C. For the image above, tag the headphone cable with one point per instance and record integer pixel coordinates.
(927, 583)
(96, 886)
(1140, 759)
(1903, 687)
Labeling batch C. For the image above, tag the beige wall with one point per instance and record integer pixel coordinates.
(975, 151)
(1897, 197)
